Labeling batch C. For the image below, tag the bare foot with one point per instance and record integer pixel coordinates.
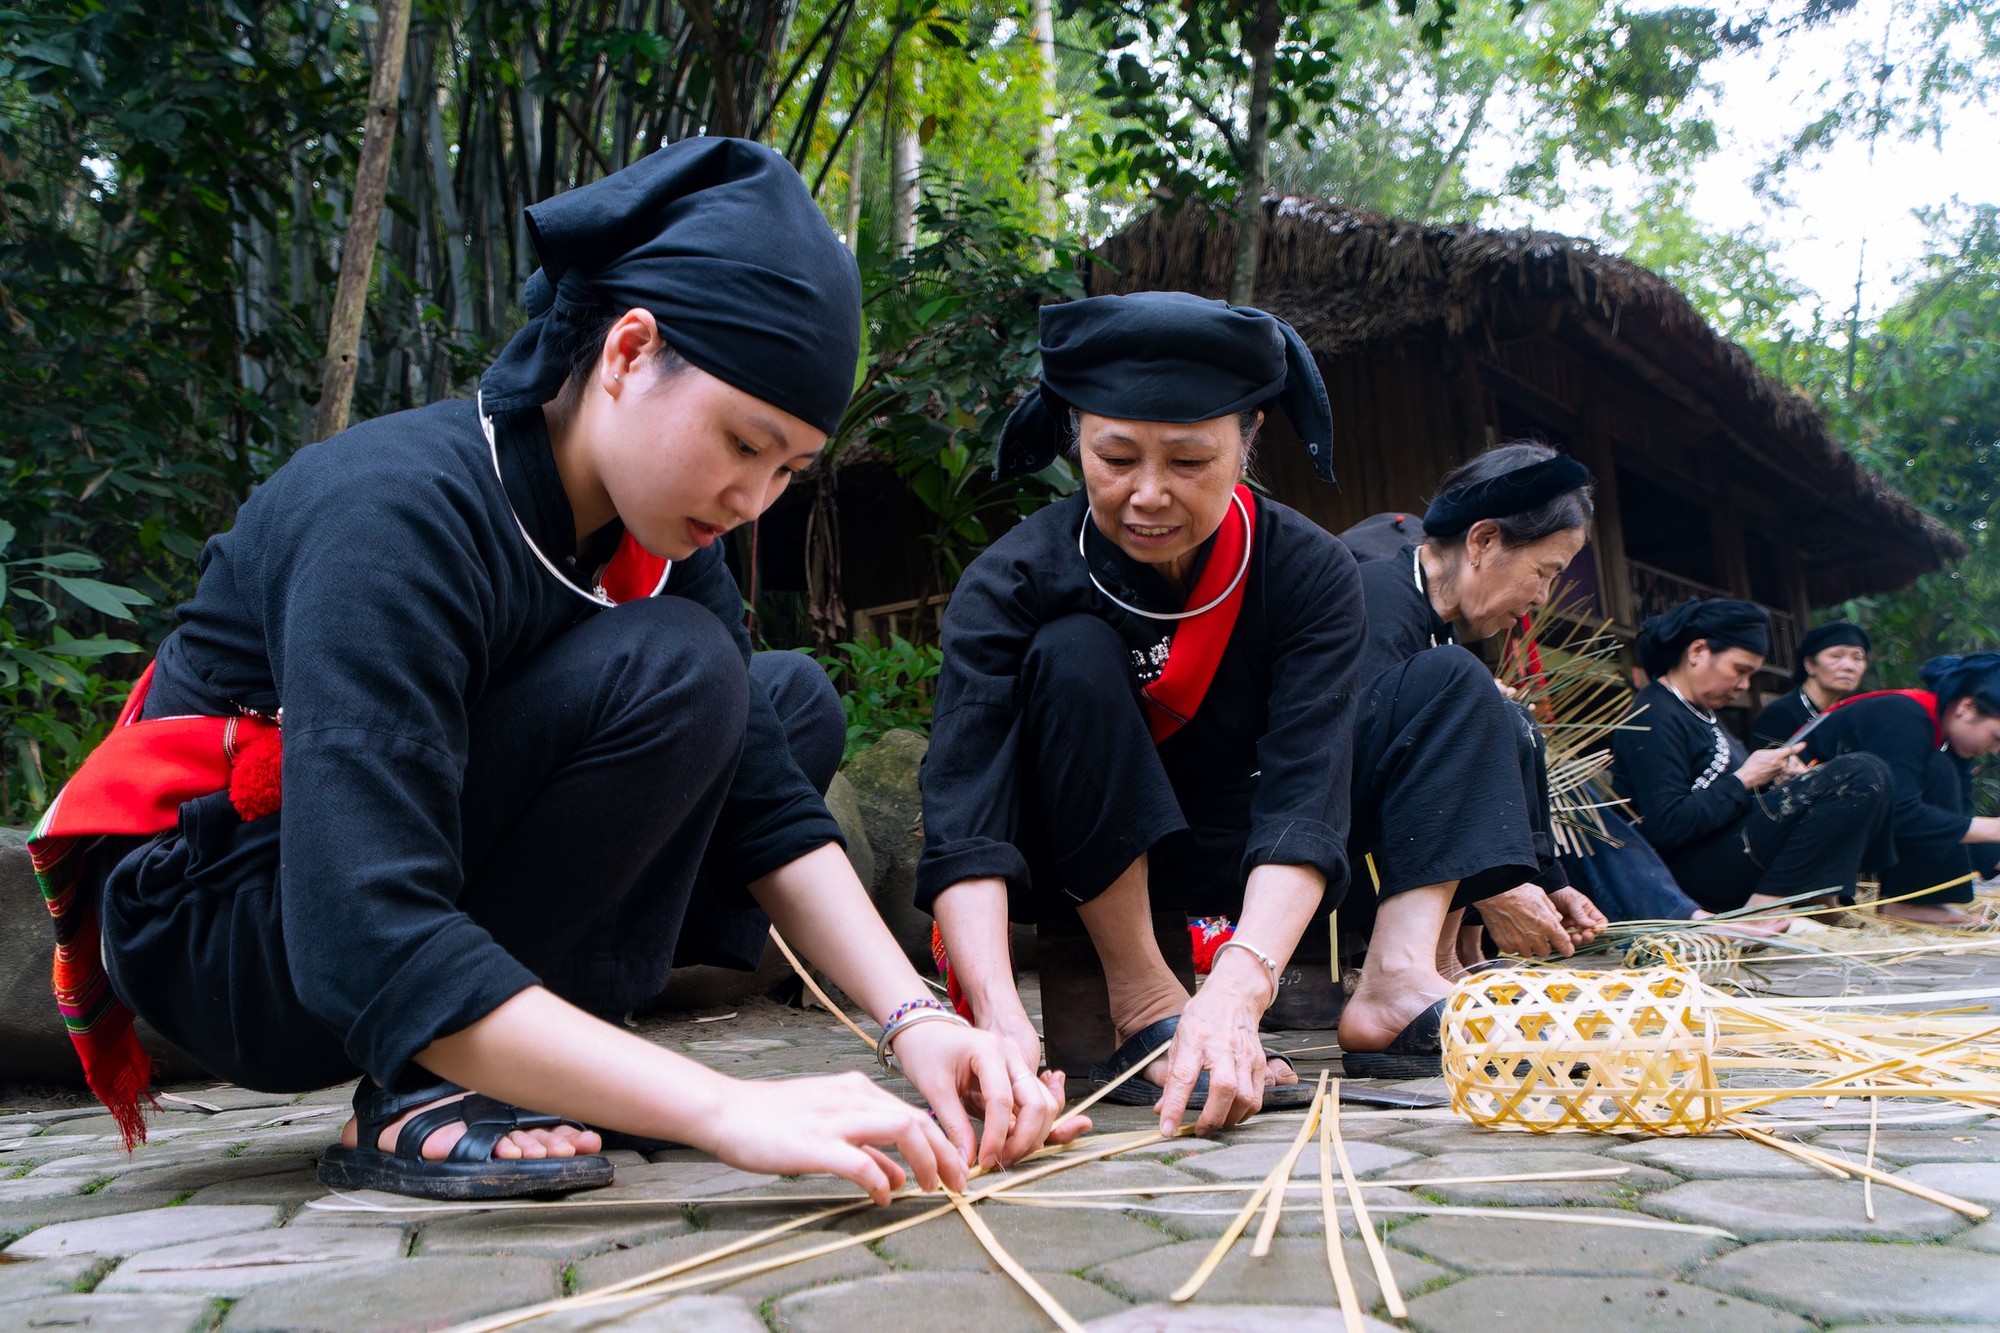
(1383, 1005)
(1136, 1008)
(1931, 914)
(1471, 947)
(563, 1141)
(1449, 964)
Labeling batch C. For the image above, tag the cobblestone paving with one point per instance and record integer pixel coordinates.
(209, 1225)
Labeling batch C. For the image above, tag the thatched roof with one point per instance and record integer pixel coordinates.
(1351, 280)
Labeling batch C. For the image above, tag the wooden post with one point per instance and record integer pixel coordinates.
(364, 223)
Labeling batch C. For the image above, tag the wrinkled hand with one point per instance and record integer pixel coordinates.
(963, 1070)
(1523, 922)
(1764, 766)
(1580, 916)
(838, 1124)
(1218, 1032)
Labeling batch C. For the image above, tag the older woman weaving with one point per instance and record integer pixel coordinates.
(1146, 696)
(1500, 532)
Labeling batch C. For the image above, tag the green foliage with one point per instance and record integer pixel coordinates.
(52, 696)
(883, 686)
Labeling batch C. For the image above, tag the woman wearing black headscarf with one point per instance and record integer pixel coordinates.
(1928, 739)
(1735, 828)
(524, 769)
(1500, 532)
(1832, 660)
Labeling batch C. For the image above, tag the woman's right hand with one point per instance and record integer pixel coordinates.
(837, 1124)
(1766, 766)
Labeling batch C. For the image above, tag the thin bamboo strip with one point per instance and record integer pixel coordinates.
(1023, 1279)
(661, 1281)
(1392, 1295)
(1571, 1217)
(1336, 1254)
(1220, 1250)
(817, 993)
(1274, 1201)
(1867, 1182)
(1924, 1192)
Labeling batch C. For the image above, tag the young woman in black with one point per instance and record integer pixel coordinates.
(528, 762)
(1736, 828)
(1928, 739)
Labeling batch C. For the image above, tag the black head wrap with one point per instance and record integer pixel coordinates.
(1510, 493)
(1975, 676)
(720, 239)
(1833, 634)
(1164, 356)
(1724, 622)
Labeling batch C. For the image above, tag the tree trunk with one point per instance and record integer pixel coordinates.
(1250, 200)
(1045, 164)
(364, 223)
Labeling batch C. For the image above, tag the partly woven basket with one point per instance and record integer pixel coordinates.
(1555, 1052)
(1706, 954)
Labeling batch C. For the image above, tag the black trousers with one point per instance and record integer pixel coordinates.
(1811, 833)
(1922, 864)
(594, 779)
(1096, 794)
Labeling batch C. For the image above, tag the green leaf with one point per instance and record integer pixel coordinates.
(71, 560)
(108, 598)
(94, 647)
(52, 672)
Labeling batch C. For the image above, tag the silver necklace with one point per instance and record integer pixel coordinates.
(1241, 569)
(1701, 713)
(595, 593)
(1424, 591)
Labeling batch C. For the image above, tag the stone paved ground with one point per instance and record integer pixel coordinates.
(208, 1225)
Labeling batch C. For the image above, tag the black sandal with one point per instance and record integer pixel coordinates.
(1137, 1091)
(469, 1170)
(1417, 1051)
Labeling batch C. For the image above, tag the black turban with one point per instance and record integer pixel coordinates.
(1510, 493)
(1833, 634)
(1975, 676)
(1724, 622)
(1164, 356)
(720, 239)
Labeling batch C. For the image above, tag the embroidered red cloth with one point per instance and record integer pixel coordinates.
(634, 572)
(134, 784)
(1199, 641)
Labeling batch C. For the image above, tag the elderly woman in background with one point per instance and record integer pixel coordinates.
(1736, 828)
(1832, 660)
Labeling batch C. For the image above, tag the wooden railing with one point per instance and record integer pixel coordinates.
(1655, 590)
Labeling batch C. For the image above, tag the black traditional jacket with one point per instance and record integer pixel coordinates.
(1277, 721)
(1678, 770)
(373, 589)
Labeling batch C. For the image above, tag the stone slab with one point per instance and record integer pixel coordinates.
(408, 1294)
(1976, 1182)
(1853, 1281)
(894, 1302)
(134, 1232)
(1613, 1191)
(1198, 1216)
(1041, 1239)
(1907, 1147)
(654, 1314)
(564, 1234)
(1823, 1209)
(855, 1261)
(111, 1314)
(1494, 1304)
(1715, 1157)
(194, 1176)
(237, 1265)
(1294, 1273)
(18, 1219)
(1254, 1161)
(22, 1278)
(1559, 1249)
(1165, 1317)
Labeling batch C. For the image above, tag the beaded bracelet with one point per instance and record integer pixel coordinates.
(907, 1016)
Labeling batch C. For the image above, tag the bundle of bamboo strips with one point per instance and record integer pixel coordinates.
(1579, 696)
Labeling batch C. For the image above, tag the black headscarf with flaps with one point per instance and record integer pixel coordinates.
(721, 241)
(1833, 634)
(1723, 621)
(1510, 493)
(1164, 356)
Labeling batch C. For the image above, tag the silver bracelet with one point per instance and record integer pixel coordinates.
(1270, 963)
(886, 1057)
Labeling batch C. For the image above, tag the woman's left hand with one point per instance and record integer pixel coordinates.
(961, 1070)
(1218, 1032)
